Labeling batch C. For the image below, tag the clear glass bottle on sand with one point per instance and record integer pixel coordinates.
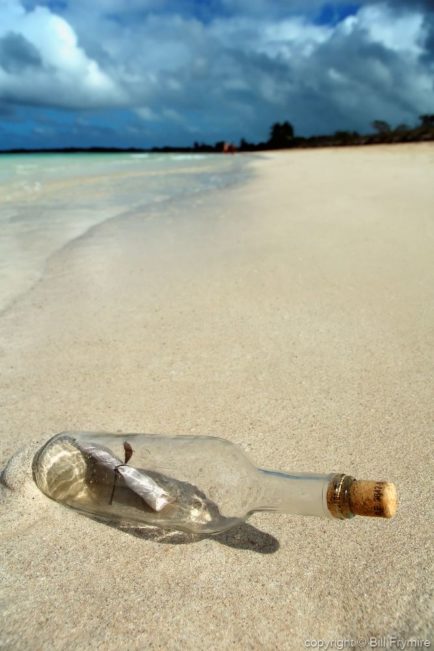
(198, 484)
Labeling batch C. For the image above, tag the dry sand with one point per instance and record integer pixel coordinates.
(294, 316)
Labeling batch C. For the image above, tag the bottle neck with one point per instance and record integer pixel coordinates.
(299, 494)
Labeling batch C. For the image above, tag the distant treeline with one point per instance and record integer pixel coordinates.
(282, 136)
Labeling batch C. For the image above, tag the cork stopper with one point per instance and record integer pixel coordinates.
(373, 498)
(347, 497)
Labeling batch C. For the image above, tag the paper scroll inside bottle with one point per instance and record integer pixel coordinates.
(90, 477)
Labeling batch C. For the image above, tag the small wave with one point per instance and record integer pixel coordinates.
(187, 156)
(25, 169)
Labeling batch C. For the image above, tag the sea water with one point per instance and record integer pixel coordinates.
(48, 200)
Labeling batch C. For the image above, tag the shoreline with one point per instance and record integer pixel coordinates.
(291, 315)
(49, 199)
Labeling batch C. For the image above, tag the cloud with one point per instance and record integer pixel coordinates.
(18, 54)
(53, 70)
(241, 73)
(222, 68)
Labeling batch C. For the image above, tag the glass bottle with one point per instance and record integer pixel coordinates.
(199, 484)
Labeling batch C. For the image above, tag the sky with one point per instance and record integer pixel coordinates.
(143, 73)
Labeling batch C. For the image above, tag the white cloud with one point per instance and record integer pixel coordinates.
(64, 75)
(403, 32)
(295, 36)
(145, 113)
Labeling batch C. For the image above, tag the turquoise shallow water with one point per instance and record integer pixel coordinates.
(47, 200)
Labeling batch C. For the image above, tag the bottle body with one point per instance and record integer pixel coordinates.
(197, 484)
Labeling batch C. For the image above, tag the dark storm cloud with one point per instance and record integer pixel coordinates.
(429, 40)
(17, 53)
(222, 68)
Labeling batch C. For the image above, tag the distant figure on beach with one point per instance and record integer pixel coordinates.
(229, 148)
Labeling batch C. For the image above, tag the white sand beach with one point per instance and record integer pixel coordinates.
(292, 314)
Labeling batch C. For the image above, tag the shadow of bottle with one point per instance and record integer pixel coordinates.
(244, 536)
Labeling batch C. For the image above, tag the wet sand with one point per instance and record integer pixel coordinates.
(292, 315)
